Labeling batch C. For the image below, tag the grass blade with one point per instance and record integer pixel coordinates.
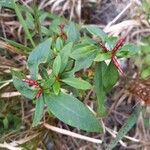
(23, 23)
(125, 128)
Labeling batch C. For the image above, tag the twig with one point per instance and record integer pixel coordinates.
(115, 132)
(5, 84)
(72, 134)
(10, 94)
(10, 147)
(127, 137)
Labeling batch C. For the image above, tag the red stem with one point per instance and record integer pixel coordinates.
(38, 94)
(63, 34)
(36, 85)
(31, 82)
(114, 60)
(119, 43)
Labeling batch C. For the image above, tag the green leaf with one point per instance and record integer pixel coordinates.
(43, 73)
(45, 31)
(69, 74)
(72, 32)
(30, 21)
(39, 109)
(130, 50)
(73, 112)
(43, 15)
(17, 74)
(49, 82)
(40, 54)
(83, 52)
(125, 128)
(99, 88)
(77, 83)
(59, 44)
(103, 56)
(111, 76)
(23, 87)
(54, 26)
(84, 62)
(111, 42)
(56, 87)
(95, 30)
(84, 55)
(57, 65)
(126, 51)
(65, 53)
(23, 23)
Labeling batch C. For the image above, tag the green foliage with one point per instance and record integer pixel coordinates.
(95, 30)
(112, 72)
(57, 66)
(99, 87)
(56, 87)
(124, 52)
(71, 111)
(39, 109)
(22, 87)
(77, 83)
(72, 32)
(82, 51)
(104, 79)
(84, 55)
(40, 54)
(64, 54)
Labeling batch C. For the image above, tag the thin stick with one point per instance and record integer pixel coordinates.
(10, 147)
(5, 84)
(26, 139)
(114, 135)
(72, 134)
(127, 137)
(9, 94)
(118, 16)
